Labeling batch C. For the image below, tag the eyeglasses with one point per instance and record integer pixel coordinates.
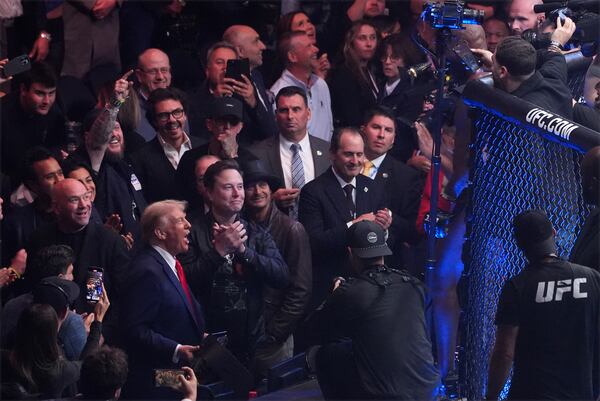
(74, 200)
(154, 71)
(177, 113)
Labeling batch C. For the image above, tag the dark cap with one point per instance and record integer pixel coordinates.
(256, 170)
(226, 106)
(56, 292)
(367, 240)
(534, 233)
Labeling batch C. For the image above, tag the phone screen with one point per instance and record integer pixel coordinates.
(167, 377)
(93, 291)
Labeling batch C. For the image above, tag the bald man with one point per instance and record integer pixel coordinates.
(522, 17)
(586, 250)
(258, 102)
(93, 246)
(153, 71)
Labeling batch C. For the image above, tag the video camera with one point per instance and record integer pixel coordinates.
(451, 14)
(585, 14)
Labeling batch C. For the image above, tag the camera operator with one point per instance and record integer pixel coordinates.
(539, 78)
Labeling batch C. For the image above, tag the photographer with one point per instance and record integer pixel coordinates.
(537, 78)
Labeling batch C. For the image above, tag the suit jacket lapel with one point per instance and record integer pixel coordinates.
(319, 156)
(275, 158)
(177, 284)
(364, 195)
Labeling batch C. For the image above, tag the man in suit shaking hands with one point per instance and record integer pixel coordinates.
(162, 321)
(334, 201)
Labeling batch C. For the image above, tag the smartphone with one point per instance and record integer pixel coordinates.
(16, 66)
(93, 291)
(237, 68)
(167, 377)
(466, 57)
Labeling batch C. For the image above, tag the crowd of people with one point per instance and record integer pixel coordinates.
(175, 169)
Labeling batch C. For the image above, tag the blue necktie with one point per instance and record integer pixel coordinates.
(297, 176)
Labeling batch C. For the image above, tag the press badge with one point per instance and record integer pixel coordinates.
(135, 182)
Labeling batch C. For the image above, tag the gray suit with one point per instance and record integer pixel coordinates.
(89, 42)
(268, 151)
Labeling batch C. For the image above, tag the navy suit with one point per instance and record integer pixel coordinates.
(324, 212)
(156, 316)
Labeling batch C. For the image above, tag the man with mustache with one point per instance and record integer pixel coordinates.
(118, 190)
(92, 244)
(284, 308)
(156, 162)
(230, 261)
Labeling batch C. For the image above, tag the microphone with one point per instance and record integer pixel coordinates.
(418, 69)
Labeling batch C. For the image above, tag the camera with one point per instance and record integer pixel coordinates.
(451, 14)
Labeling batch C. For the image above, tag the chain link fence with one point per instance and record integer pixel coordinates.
(513, 169)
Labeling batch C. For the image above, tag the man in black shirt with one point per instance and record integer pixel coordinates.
(30, 117)
(382, 311)
(547, 322)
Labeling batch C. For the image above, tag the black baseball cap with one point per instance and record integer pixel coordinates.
(56, 292)
(226, 106)
(367, 240)
(534, 233)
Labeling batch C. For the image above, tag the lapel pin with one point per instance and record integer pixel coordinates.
(384, 175)
(366, 189)
(319, 153)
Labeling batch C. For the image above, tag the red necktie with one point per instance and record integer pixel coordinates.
(183, 281)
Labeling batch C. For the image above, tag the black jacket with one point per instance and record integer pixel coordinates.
(285, 307)
(547, 87)
(350, 98)
(586, 251)
(231, 292)
(155, 171)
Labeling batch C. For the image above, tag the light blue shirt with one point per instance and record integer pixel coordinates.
(319, 102)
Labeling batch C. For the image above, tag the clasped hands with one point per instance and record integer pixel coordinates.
(229, 238)
(382, 217)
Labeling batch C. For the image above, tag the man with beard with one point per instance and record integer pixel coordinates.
(284, 308)
(513, 67)
(225, 124)
(156, 162)
(230, 261)
(118, 190)
(92, 244)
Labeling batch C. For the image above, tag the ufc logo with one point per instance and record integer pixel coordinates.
(554, 290)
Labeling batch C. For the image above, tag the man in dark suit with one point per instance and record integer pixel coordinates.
(401, 184)
(280, 153)
(162, 322)
(93, 246)
(333, 202)
(586, 250)
(253, 90)
(156, 162)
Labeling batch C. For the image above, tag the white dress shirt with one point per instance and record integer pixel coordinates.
(173, 154)
(286, 159)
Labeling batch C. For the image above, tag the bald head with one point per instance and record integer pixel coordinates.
(202, 164)
(590, 176)
(153, 70)
(71, 203)
(474, 35)
(522, 17)
(247, 42)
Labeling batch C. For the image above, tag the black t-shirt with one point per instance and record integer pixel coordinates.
(383, 312)
(555, 304)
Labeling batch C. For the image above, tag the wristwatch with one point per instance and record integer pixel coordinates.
(46, 35)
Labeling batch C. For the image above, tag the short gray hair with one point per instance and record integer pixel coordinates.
(155, 216)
